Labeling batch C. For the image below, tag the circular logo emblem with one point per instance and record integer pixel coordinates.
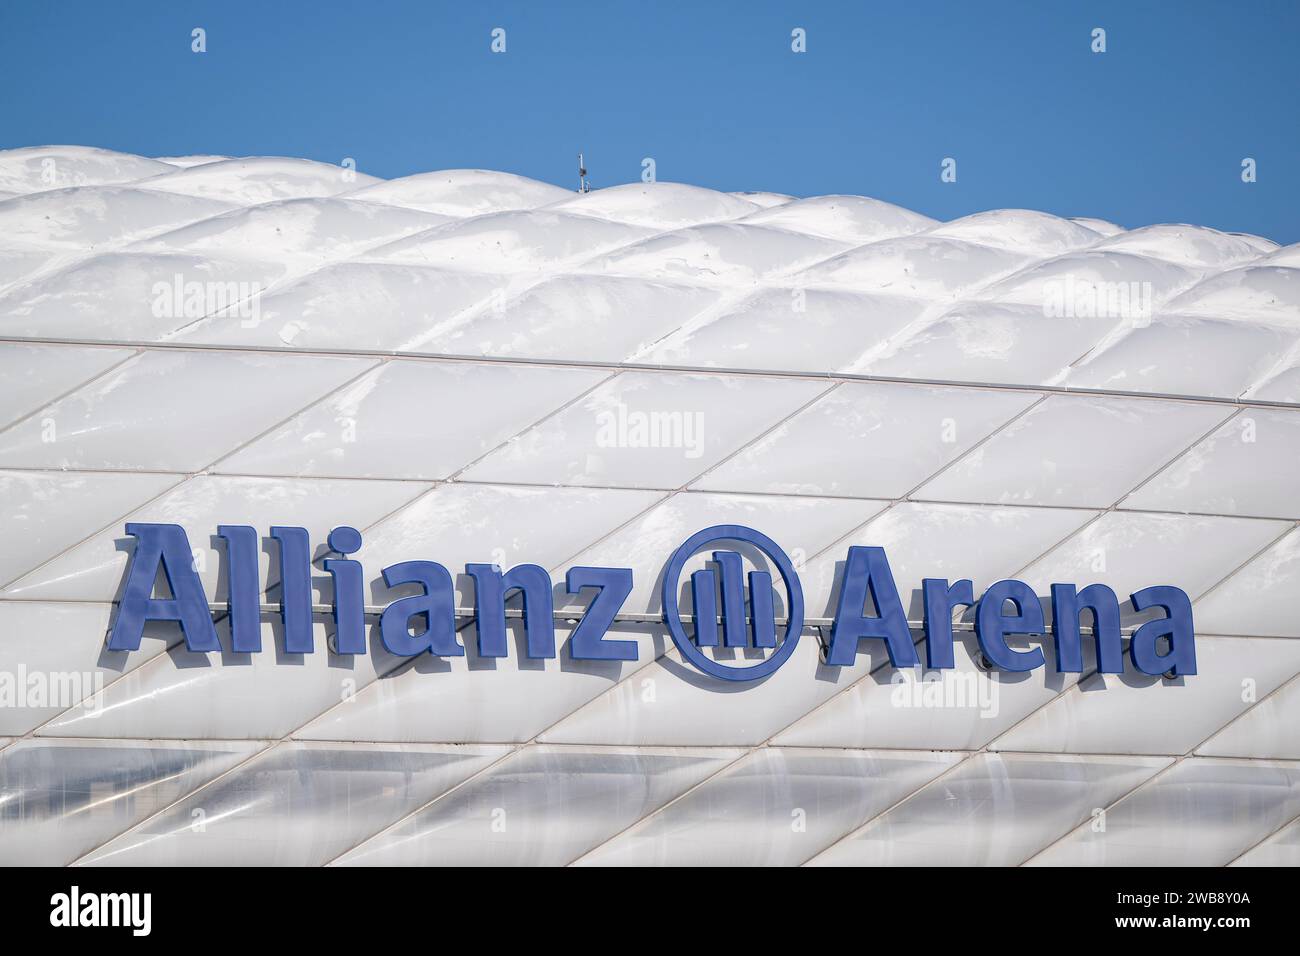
(690, 649)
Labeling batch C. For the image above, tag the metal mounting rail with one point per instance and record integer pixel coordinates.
(623, 617)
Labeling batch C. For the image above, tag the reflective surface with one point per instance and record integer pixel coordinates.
(295, 805)
(543, 806)
(471, 366)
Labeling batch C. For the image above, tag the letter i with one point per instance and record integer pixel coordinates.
(349, 592)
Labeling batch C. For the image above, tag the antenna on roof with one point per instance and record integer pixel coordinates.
(584, 184)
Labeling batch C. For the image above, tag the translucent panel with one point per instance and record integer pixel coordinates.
(1247, 467)
(993, 810)
(1025, 231)
(1259, 598)
(773, 808)
(1267, 729)
(93, 570)
(988, 342)
(959, 709)
(1265, 246)
(1075, 450)
(926, 266)
(476, 698)
(299, 233)
(124, 296)
(259, 179)
(462, 192)
(802, 527)
(51, 511)
(299, 804)
(1192, 246)
(854, 219)
(192, 159)
(91, 218)
(457, 524)
(61, 798)
(1113, 284)
(670, 703)
(831, 371)
(404, 307)
(1288, 256)
(937, 541)
(1099, 226)
(544, 806)
(511, 242)
(1281, 849)
(1254, 293)
(1128, 551)
(367, 429)
(903, 432)
(20, 263)
(590, 318)
(52, 659)
(1200, 812)
(1136, 713)
(203, 404)
(764, 199)
(658, 205)
(265, 696)
(729, 253)
(647, 430)
(1281, 384)
(1178, 355)
(32, 375)
(811, 330)
(28, 170)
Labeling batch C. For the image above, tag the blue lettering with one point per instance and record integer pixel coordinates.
(1180, 658)
(993, 624)
(744, 606)
(437, 604)
(1066, 607)
(490, 589)
(867, 571)
(162, 546)
(295, 589)
(588, 641)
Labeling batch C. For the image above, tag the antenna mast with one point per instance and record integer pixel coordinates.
(584, 184)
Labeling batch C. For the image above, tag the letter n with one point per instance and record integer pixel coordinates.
(490, 590)
(162, 546)
(1066, 608)
(867, 572)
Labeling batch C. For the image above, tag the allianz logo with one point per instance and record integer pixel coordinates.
(724, 620)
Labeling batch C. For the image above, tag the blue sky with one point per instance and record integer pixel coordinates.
(1153, 130)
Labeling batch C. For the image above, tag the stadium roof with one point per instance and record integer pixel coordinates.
(205, 340)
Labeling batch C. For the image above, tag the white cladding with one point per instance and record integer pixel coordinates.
(474, 366)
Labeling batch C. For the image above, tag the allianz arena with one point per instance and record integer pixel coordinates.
(477, 369)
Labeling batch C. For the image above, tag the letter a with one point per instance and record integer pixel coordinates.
(867, 570)
(165, 546)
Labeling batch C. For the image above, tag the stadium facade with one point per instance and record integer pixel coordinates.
(274, 399)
